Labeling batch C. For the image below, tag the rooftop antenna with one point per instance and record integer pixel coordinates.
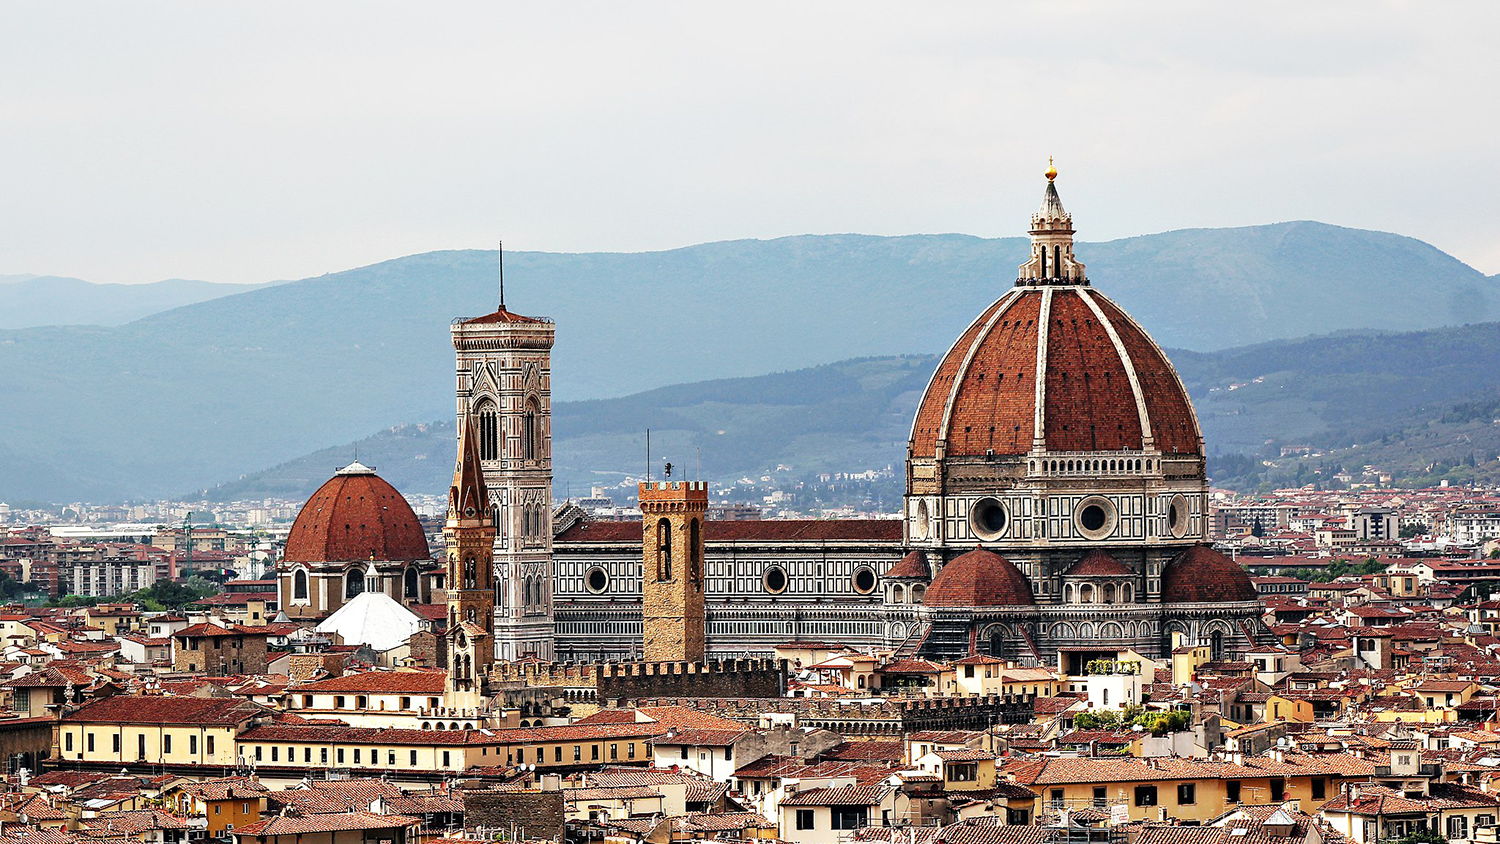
(500, 255)
(648, 455)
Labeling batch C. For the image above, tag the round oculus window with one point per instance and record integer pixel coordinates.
(1177, 516)
(1095, 517)
(597, 580)
(774, 580)
(989, 518)
(864, 580)
(919, 521)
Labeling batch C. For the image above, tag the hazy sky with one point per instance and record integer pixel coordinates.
(265, 140)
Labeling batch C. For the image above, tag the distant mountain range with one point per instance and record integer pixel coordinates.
(183, 399)
(1401, 400)
(27, 301)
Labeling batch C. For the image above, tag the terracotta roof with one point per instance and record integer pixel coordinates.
(330, 796)
(138, 709)
(982, 397)
(703, 738)
(341, 822)
(503, 317)
(761, 530)
(913, 565)
(356, 517)
(210, 630)
(227, 788)
(135, 822)
(847, 795)
(390, 735)
(867, 750)
(1201, 575)
(1098, 563)
(911, 666)
(684, 718)
(979, 578)
(379, 682)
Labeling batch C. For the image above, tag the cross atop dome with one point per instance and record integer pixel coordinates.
(1052, 260)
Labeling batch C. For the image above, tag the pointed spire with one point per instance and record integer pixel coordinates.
(468, 496)
(1052, 207)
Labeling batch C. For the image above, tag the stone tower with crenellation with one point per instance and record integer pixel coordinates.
(673, 618)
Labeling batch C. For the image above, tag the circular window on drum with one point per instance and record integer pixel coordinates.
(920, 520)
(864, 580)
(989, 518)
(597, 580)
(774, 580)
(1095, 517)
(1177, 516)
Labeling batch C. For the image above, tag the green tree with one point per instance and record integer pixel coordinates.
(172, 594)
(72, 601)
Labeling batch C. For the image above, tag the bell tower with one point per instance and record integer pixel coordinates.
(673, 619)
(469, 535)
(504, 368)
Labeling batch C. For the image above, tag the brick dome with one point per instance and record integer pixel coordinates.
(355, 516)
(911, 567)
(1098, 563)
(1054, 364)
(1106, 385)
(1201, 575)
(979, 578)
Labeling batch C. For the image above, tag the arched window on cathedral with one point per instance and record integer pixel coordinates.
(663, 550)
(695, 551)
(531, 433)
(489, 430)
(471, 573)
(299, 585)
(354, 583)
(409, 583)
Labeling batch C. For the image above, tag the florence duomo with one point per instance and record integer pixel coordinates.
(1055, 507)
(962, 423)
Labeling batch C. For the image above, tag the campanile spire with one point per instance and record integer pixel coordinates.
(1052, 260)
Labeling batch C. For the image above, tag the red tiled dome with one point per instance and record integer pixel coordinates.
(1202, 575)
(356, 515)
(982, 397)
(979, 578)
(1098, 563)
(913, 565)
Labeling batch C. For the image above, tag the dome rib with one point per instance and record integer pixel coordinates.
(1175, 426)
(1039, 377)
(926, 427)
(1135, 382)
(945, 429)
